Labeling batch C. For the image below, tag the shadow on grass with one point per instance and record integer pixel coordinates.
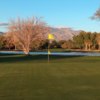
(11, 58)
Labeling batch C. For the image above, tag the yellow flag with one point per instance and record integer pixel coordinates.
(49, 52)
(50, 36)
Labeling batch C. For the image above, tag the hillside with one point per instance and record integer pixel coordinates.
(63, 33)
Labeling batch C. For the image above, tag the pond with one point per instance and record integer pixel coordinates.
(55, 53)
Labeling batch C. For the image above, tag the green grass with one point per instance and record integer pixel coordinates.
(64, 78)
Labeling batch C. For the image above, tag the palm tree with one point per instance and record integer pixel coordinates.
(98, 40)
(88, 44)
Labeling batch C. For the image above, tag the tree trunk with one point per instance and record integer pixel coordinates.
(86, 46)
(89, 47)
(15, 48)
(26, 52)
(99, 46)
(9, 48)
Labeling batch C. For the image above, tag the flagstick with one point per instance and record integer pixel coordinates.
(48, 58)
(50, 37)
(48, 52)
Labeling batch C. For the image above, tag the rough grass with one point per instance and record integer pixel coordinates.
(64, 78)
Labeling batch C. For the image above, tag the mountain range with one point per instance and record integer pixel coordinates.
(63, 33)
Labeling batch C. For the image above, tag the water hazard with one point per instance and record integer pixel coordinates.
(54, 53)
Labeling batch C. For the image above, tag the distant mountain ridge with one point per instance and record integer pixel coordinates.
(1, 32)
(63, 33)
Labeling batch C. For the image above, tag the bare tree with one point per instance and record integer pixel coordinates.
(27, 31)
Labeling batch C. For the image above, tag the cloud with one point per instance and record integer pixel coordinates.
(4, 24)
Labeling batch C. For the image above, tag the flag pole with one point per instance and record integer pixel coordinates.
(48, 52)
(50, 37)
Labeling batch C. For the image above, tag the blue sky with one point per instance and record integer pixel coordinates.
(59, 13)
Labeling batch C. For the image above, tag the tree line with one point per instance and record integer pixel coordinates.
(33, 38)
(86, 41)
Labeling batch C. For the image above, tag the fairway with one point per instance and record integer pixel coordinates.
(64, 78)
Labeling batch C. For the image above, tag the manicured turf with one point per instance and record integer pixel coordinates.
(64, 78)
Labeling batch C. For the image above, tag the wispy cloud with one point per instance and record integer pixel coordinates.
(4, 24)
